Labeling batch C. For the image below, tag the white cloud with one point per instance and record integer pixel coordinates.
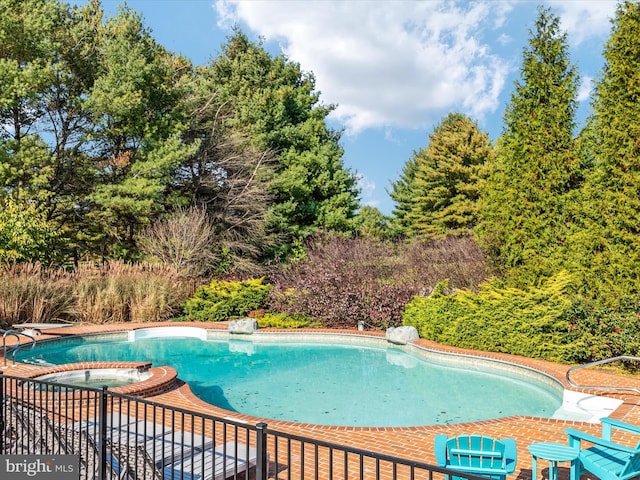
(586, 86)
(386, 64)
(504, 39)
(367, 189)
(500, 12)
(584, 19)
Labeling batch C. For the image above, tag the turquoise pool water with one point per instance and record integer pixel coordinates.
(324, 383)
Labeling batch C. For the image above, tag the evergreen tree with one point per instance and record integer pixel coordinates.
(137, 138)
(91, 127)
(448, 178)
(47, 69)
(523, 205)
(276, 106)
(606, 240)
(372, 224)
(402, 194)
(104, 132)
(28, 53)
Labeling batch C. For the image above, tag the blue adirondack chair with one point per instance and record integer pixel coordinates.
(476, 454)
(606, 459)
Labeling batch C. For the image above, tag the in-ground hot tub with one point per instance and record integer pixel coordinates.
(129, 378)
(97, 377)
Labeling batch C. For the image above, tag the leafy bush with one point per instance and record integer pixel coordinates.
(284, 320)
(604, 331)
(222, 299)
(532, 322)
(25, 233)
(342, 281)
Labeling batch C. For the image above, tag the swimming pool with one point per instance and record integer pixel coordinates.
(327, 380)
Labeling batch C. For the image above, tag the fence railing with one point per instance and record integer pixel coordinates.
(117, 436)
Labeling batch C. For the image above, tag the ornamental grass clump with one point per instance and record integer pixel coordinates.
(32, 293)
(119, 292)
(114, 292)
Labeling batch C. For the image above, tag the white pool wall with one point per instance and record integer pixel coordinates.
(131, 375)
(155, 332)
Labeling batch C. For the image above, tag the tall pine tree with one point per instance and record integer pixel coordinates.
(448, 178)
(401, 194)
(275, 104)
(606, 241)
(136, 100)
(523, 205)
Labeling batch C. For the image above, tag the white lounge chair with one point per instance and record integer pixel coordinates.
(220, 463)
(148, 451)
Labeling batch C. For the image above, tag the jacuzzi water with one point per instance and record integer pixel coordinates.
(324, 382)
(97, 377)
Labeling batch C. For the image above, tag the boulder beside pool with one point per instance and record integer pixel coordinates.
(402, 335)
(243, 326)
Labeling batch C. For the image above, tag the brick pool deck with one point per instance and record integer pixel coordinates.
(415, 443)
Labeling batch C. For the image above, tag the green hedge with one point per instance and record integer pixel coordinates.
(532, 322)
(285, 320)
(221, 300)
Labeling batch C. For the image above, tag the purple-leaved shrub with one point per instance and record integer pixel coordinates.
(342, 281)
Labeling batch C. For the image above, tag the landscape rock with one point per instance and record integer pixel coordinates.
(243, 326)
(402, 335)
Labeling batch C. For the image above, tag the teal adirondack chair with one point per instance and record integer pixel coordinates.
(476, 454)
(605, 459)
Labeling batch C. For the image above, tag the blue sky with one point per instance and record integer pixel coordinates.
(394, 68)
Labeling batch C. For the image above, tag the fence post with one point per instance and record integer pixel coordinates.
(102, 434)
(262, 465)
(2, 406)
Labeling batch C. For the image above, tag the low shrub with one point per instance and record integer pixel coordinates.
(285, 320)
(223, 299)
(532, 322)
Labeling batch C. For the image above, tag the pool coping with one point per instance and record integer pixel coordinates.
(407, 442)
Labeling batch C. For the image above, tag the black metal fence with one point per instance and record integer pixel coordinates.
(118, 436)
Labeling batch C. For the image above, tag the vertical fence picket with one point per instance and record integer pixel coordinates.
(2, 413)
(262, 469)
(102, 422)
